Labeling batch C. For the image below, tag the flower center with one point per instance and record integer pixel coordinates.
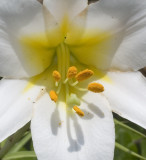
(67, 76)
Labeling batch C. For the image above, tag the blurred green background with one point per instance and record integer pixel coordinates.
(129, 139)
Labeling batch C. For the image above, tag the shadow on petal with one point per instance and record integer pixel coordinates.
(55, 119)
(88, 115)
(75, 144)
(78, 130)
(95, 109)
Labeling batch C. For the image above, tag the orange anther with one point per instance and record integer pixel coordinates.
(95, 87)
(78, 111)
(56, 75)
(83, 75)
(72, 71)
(53, 95)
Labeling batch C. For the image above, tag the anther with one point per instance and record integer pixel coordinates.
(78, 111)
(83, 75)
(72, 72)
(95, 87)
(53, 95)
(56, 75)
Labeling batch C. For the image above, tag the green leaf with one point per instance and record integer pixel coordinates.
(129, 128)
(143, 147)
(124, 149)
(21, 154)
(20, 144)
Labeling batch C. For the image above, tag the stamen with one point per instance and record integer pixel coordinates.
(56, 84)
(74, 84)
(59, 89)
(56, 75)
(83, 75)
(72, 72)
(78, 111)
(66, 80)
(53, 95)
(95, 87)
(81, 89)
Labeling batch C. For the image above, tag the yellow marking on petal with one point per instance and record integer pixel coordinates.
(39, 80)
(32, 82)
(83, 75)
(56, 75)
(78, 111)
(93, 36)
(28, 86)
(53, 95)
(95, 48)
(96, 87)
(106, 79)
(65, 25)
(37, 53)
(72, 72)
(102, 75)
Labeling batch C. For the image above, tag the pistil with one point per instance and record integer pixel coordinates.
(63, 61)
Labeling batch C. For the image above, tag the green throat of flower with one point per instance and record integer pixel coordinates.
(67, 76)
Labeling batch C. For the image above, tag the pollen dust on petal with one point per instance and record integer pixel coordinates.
(60, 123)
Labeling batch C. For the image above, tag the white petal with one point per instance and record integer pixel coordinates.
(61, 8)
(127, 95)
(126, 22)
(23, 41)
(60, 136)
(98, 42)
(15, 105)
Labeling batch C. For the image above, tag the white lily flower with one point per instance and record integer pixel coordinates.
(107, 37)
